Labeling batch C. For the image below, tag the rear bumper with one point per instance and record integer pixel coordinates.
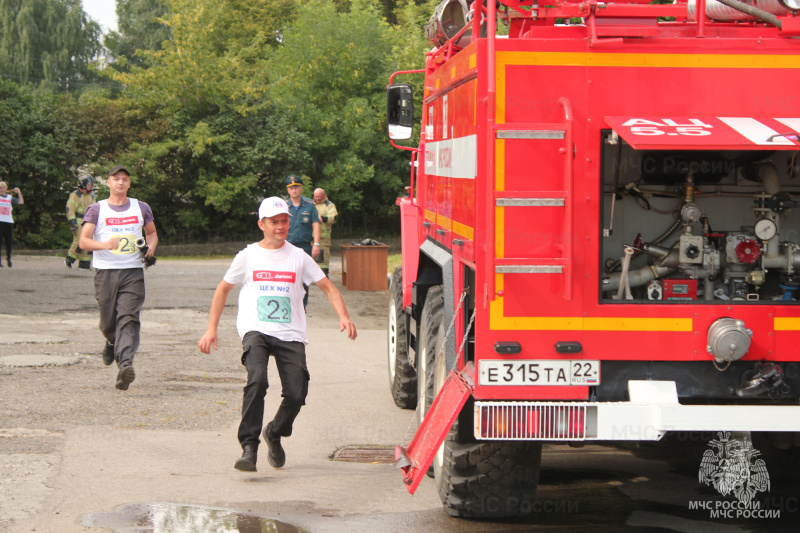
(652, 411)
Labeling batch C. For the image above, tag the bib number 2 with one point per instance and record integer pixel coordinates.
(274, 309)
(127, 245)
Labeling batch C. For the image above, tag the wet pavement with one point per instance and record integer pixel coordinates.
(76, 455)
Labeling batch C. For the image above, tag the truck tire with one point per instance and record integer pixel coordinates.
(496, 479)
(402, 376)
(431, 338)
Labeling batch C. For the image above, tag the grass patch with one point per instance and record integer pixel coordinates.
(395, 261)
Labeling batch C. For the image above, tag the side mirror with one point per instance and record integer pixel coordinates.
(400, 111)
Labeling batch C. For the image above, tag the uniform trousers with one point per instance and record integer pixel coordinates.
(306, 247)
(75, 251)
(120, 296)
(290, 358)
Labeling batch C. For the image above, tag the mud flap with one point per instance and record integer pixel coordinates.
(415, 460)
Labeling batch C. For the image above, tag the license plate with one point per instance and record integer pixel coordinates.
(539, 372)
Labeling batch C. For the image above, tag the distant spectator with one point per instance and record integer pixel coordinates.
(304, 227)
(327, 216)
(7, 203)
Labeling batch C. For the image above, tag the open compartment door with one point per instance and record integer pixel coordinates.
(704, 133)
(415, 460)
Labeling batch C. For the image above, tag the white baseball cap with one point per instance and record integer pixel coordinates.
(272, 206)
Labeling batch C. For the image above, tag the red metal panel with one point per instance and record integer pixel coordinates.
(409, 228)
(698, 133)
(415, 460)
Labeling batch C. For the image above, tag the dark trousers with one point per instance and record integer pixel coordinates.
(290, 358)
(7, 235)
(307, 249)
(120, 296)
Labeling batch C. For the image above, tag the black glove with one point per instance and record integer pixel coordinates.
(324, 218)
(73, 224)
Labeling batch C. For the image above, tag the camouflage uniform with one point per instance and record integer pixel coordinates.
(325, 209)
(79, 201)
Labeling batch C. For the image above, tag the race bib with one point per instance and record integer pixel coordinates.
(127, 245)
(5, 210)
(274, 309)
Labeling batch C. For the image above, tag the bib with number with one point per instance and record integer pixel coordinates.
(128, 226)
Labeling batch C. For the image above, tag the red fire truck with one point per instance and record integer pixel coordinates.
(601, 234)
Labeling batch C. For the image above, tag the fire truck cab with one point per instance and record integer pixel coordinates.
(600, 237)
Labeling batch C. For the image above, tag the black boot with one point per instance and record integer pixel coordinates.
(125, 377)
(325, 271)
(85, 265)
(276, 455)
(68, 261)
(108, 353)
(247, 462)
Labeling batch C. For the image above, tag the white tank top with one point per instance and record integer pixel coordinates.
(128, 226)
(5, 209)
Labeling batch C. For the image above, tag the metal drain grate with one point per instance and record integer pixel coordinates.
(365, 454)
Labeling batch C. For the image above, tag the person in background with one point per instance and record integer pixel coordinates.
(79, 201)
(110, 230)
(327, 216)
(7, 203)
(271, 323)
(304, 229)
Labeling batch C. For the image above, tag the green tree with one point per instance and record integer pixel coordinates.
(41, 147)
(48, 42)
(331, 74)
(140, 28)
(209, 144)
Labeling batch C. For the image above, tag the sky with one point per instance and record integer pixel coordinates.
(103, 11)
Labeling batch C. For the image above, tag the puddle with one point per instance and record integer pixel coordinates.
(160, 517)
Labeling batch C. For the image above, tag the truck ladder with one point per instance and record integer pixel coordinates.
(554, 265)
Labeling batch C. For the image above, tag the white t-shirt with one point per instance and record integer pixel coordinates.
(271, 297)
(127, 225)
(6, 206)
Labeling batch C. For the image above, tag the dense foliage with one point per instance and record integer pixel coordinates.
(210, 104)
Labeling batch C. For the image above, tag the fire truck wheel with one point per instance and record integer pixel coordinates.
(402, 376)
(431, 338)
(487, 479)
(484, 479)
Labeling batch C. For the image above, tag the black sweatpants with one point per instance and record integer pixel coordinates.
(290, 358)
(7, 235)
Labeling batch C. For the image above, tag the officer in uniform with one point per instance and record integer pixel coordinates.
(304, 229)
(327, 216)
(79, 201)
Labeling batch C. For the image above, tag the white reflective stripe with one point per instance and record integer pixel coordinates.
(453, 158)
(754, 130)
(793, 123)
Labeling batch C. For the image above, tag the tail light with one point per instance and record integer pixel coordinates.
(507, 421)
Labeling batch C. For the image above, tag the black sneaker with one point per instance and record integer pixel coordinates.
(125, 377)
(108, 353)
(247, 462)
(276, 455)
